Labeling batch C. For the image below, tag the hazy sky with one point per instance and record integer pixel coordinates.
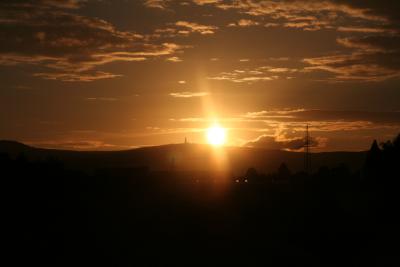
(114, 74)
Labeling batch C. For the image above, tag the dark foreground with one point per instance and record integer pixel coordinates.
(335, 217)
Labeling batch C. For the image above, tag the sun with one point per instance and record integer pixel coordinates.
(216, 135)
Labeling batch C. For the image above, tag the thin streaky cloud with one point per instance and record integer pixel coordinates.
(188, 94)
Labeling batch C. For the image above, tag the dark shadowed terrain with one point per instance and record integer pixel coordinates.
(133, 214)
(185, 157)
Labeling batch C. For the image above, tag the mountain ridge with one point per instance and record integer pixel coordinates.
(185, 157)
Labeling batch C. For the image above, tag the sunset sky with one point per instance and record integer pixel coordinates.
(118, 74)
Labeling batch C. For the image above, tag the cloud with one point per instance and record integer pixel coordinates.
(279, 58)
(374, 58)
(155, 130)
(303, 115)
(174, 59)
(257, 74)
(279, 70)
(362, 29)
(323, 121)
(388, 9)
(273, 113)
(244, 23)
(320, 121)
(77, 77)
(45, 4)
(195, 27)
(76, 47)
(305, 15)
(309, 25)
(271, 24)
(205, 2)
(75, 145)
(188, 94)
(233, 77)
(284, 128)
(182, 29)
(161, 4)
(350, 43)
(301, 14)
(101, 98)
(273, 142)
(379, 43)
(298, 9)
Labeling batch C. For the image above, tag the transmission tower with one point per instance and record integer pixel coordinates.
(307, 146)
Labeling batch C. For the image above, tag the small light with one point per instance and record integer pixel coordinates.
(237, 181)
(245, 181)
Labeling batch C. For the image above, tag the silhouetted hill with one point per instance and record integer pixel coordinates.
(122, 216)
(13, 147)
(185, 157)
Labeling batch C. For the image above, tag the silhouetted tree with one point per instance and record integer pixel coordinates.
(372, 165)
(391, 146)
(284, 172)
(389, 171)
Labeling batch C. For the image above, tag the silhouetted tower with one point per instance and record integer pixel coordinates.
(186, 141)
(307, 146)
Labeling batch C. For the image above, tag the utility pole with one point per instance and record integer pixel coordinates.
(307, 146)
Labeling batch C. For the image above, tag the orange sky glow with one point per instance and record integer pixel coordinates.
(110, 75)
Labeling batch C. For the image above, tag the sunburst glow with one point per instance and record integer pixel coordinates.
(216, 135)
